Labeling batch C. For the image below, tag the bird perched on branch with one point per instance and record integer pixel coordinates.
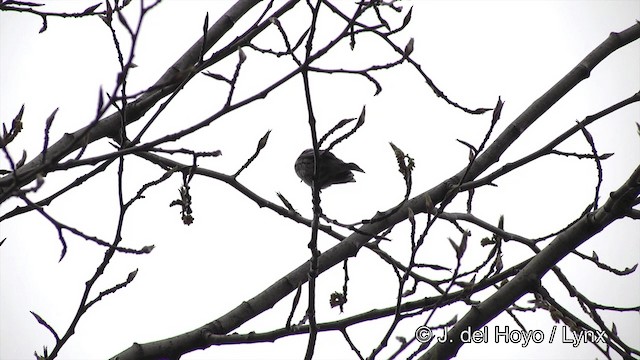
(331, 170)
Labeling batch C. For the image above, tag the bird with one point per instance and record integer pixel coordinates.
(331, 170)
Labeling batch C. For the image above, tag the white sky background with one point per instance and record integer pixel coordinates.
(474, 51)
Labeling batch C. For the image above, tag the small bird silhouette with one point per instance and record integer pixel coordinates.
(331, 170)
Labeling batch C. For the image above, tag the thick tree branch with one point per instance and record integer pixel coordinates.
(586, 227)
(528, 279)
(110, 126)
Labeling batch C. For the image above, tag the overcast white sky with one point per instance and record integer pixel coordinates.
(474, 50)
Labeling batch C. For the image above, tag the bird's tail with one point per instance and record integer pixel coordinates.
(354, 167)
